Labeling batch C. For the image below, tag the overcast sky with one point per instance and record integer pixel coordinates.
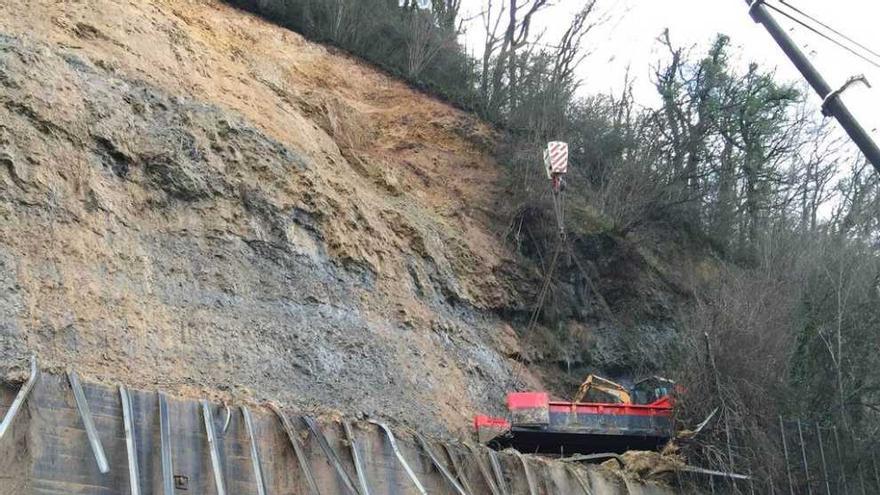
(629, 39)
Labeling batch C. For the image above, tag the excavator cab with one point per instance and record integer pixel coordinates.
(652, 389)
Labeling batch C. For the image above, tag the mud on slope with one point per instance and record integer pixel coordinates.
(193, 199)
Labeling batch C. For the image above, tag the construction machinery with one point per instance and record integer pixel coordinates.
(603, 416)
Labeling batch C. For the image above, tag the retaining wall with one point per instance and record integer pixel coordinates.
(47, 452)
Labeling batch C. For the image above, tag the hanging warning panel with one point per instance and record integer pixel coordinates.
(556, 159)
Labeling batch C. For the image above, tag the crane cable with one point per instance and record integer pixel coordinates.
(558, 212)
(819, 33)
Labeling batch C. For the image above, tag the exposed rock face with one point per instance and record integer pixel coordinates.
(193, 199)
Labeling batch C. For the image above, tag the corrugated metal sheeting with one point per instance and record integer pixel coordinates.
(47, 451)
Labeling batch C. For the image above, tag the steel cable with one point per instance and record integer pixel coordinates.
(826, 26)
(558, 211)
(819, 33)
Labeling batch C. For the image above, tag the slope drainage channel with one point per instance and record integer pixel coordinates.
(66, 436)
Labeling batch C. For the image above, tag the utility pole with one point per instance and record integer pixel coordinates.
(831, 102)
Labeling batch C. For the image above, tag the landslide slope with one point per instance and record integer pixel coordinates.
(194, 199)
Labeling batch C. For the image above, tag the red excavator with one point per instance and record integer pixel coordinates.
(603, 417)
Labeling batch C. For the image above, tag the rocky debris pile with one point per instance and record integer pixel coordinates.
(647, 465)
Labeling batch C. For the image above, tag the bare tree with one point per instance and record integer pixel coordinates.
(424, 42)
(518, 15)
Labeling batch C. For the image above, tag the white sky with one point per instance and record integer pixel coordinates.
(629, 39)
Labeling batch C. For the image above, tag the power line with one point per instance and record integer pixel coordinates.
(826, 26)
(819, 33)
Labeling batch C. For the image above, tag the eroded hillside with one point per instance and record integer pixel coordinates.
(197, 200)
(194, 199)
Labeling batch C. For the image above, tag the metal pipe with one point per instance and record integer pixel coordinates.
(297, 449)
(91, 432)
(214, 448)
(440, 467)
(331, 454)
(481, 464)
(400, 457)
(255, 453)
(134, 478)
(499, 475)
(833, 104)
(165, 446)
(356, 458)
(22, 396)
(533, 489)
(586, 486)
(459, 472)
(228, 418)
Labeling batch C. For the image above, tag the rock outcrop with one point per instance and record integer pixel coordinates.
(194, 199)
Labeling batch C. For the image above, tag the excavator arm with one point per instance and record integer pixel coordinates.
(605, 386)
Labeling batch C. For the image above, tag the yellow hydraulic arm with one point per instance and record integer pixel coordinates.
(604, 385)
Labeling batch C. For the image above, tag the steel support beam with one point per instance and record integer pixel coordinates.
(440, 467)
(484, 470)
(533, 489)
(215, 449)
(165, 446)
(356, 458)
(20, 397)
(400, 458)
(134, 477)
(459, 472)
(255, 453)
(86, 414)
(585, 486)
(331, 454)
(297, 449)
(499, 474)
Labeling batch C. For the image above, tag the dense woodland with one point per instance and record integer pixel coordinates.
(734, 158)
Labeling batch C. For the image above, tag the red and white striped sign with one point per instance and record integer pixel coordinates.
(556, 158)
